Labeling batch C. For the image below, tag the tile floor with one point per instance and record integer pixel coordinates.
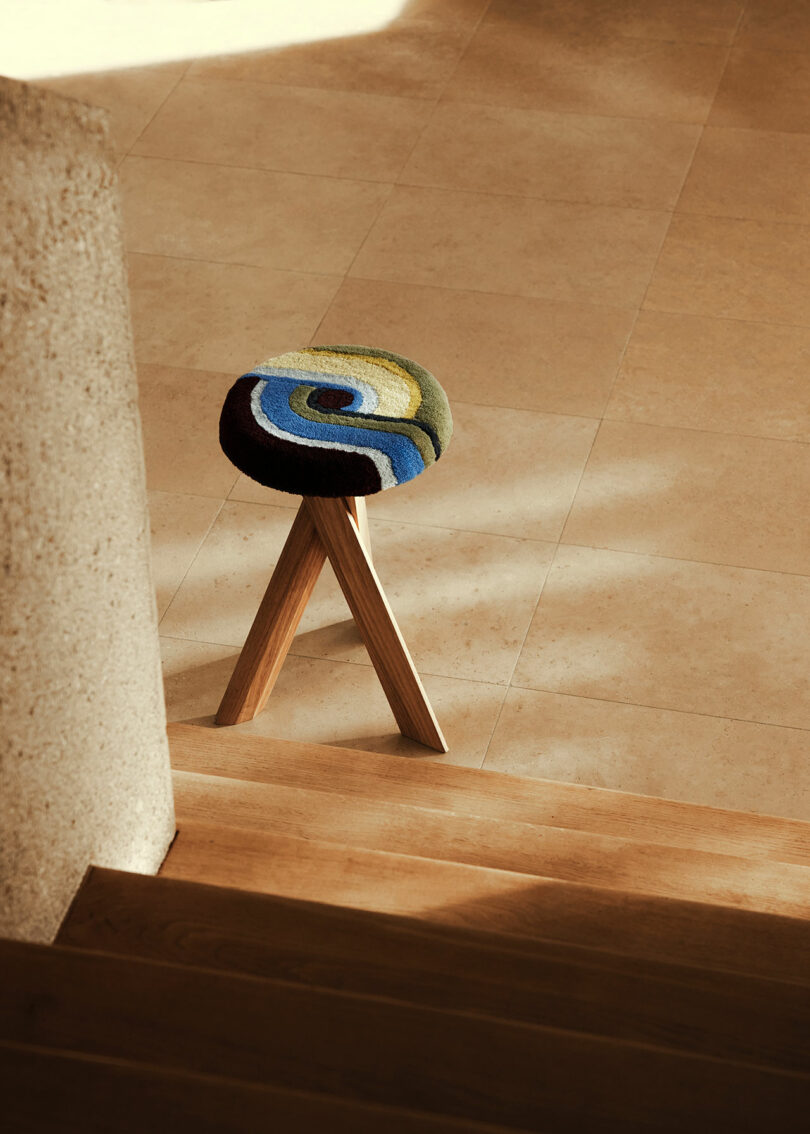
(590, 219)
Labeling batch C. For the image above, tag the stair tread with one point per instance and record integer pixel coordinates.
(533, 849)
(573, 987)
(47, 1090)
(488, 793)
(693, 933)
(376, 1050)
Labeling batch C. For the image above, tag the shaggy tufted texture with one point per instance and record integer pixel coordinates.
(335, 421)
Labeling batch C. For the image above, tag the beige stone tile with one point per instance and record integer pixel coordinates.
(750, 174)
(466, 12)
(492, 349)
(180, 415)
(413, 58)
(179, 525)
(708, 760)
(251, 492)
(726, 641)
(131, 96)
(764, 90)
(717, 374)
(564, 157)
(326, 702)
(689, 21)
(587, 73)
(533, 464)
(296, 129)
(738, 269)
(695, 495)
(221, 317)
(514, 246)
(221, 596)
(778, 25)
(246, 216)
(463, 600)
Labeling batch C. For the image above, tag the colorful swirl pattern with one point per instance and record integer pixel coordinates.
(335, 421)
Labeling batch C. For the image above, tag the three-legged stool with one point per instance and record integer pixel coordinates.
(334, 425)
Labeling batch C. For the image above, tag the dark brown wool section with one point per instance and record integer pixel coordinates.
(300, 469)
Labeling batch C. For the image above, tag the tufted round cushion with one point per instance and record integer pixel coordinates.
(335, 421)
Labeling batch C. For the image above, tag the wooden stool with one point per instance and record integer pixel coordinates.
(333, 424)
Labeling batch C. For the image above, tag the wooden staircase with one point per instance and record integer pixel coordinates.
(344, 941)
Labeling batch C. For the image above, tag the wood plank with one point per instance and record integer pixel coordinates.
(691, 933)
(375, 621)
(377, 1051)
(494, 795)
(274, 626)
(57, 1092)
(552, 852)
(565, 986)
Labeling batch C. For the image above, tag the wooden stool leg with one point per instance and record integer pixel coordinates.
(375, 621)
(275, 623)
(357, 507)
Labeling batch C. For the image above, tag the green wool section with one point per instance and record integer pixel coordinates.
(298, 403)
(435, 408)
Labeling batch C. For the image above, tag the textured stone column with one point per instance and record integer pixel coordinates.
(84, 767)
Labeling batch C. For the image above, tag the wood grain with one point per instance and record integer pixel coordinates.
(376, 1051)
(375, 621)
(690, 933)
(47, 1091)
(359, 512)
(494, 795)
(551, 852)
(274, 626)
(725, 1015)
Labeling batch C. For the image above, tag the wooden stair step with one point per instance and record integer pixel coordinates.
(488, 794)
(692, 933)
(703, 1011)
(378, 1051)
(551, 852)
(58, 1092)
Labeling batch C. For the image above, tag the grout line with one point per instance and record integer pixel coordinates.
(697, 429)
(194, 495)
(683, 559)
(294, 86)
(518, 653)
(180, 78)
(658, 708)
(233, 264)
(618, 36)
(703, 128)
(271, 170)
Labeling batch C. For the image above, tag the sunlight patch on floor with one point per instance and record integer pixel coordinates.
(99, 35)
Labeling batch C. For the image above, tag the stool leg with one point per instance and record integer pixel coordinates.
(375, 621)
(357, 507)
(276, 621)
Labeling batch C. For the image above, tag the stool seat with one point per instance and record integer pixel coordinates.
(335, 421)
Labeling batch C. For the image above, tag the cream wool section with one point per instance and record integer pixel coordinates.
(400, 395)
(370, 396)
